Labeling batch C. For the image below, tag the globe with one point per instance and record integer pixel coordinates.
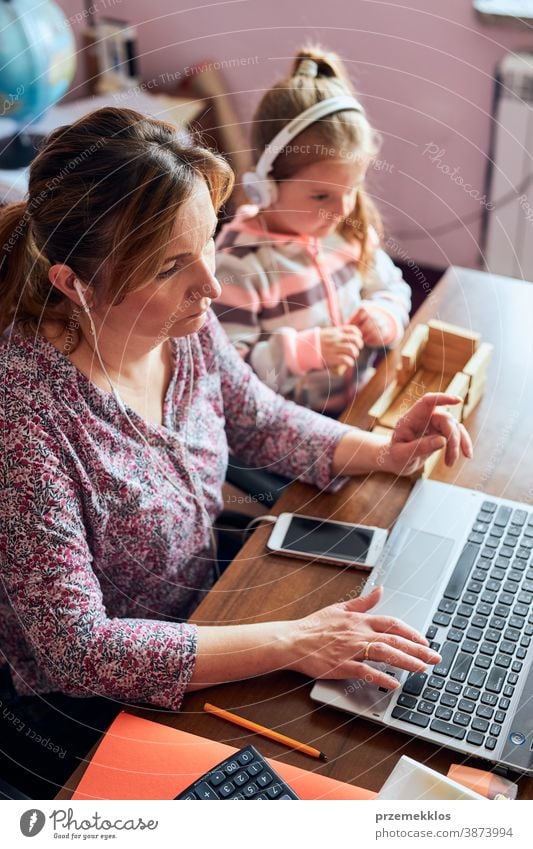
(37, 64)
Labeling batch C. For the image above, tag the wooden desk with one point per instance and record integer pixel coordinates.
(264, 587)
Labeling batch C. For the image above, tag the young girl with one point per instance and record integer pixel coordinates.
(309, 298)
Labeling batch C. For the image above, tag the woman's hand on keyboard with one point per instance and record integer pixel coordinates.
(424, 429)
(337, 642)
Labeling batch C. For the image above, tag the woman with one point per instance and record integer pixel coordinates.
(106, 280)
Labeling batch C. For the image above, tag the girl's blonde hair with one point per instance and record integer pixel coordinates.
(342, 135)
(103, 197)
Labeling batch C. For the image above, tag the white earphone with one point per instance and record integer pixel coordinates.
(196, 494)
(262, 189)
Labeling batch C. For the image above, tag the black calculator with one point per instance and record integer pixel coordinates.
(244, 775)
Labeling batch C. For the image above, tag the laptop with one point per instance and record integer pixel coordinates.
(458, 567)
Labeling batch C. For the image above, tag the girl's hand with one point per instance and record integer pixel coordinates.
(423, 430)
(377, 328)
(340, 345)
(337, 642)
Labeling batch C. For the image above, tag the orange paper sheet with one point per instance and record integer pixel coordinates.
(140, 759)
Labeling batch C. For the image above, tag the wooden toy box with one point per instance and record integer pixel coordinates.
(438, 357)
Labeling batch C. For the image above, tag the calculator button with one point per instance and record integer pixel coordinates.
(245, 758)
(231, 767)
(264, 779)
(217, 778)
(226, 789)
(241, 778)
(237, 796)
(204, 791)
(255, 768)
(274, 791)
(250, 789)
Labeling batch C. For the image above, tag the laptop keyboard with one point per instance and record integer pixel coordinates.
(484, 623)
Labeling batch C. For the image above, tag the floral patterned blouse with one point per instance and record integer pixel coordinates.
(101, 558)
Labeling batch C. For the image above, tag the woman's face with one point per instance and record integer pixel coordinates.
(175, 302)
(318, 197)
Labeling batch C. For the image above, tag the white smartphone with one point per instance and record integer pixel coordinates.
(321, 539)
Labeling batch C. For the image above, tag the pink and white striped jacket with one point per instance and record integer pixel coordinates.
(279, 289)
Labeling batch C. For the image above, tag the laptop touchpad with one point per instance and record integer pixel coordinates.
(418, 563)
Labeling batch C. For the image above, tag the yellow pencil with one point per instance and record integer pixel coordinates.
(265, 732)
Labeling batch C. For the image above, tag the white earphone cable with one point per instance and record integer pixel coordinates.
(195, 493)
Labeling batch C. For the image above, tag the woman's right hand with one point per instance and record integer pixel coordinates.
(341, 346)
(336, 642)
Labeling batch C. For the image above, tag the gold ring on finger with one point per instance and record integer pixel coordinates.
(367, 650)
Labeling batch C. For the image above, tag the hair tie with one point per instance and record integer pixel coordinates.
(307, 68)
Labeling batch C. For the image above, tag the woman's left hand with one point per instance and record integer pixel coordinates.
(423, 430)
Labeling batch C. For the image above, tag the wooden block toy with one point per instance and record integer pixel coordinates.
(476, 371)
(448, 348)
(384, 401)
(383, 431)
(460, 385)
(473, 399)
(429, 465)
(411, 354)
(452, 336)
(401, 398)
(476, 367)
(443, 360)
(437, 357)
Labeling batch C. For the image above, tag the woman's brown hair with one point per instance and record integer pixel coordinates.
(341, 135)
(103, 197)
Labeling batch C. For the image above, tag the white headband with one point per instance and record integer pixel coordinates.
(307, 68)
(299, 124)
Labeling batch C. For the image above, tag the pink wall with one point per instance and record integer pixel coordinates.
(424, 73)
